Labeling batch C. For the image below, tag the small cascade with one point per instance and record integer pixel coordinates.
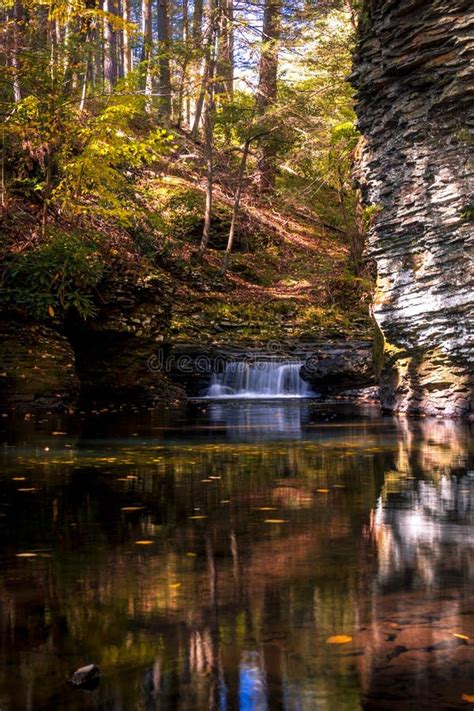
(260, 379)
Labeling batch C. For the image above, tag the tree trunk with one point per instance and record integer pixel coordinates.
(185, 65)
(109, 68)
(267, 91)
(207, 83)
(147, 44)
(208, 152)
(164, 58)
(225, 59)
(126, 49)
(16, 16)
(235, 210)
(197, 24)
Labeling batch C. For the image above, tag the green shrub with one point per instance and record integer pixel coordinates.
(53, 277)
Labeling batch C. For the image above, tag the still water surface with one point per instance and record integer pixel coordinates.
(203, 558)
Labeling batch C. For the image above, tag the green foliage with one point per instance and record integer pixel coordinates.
(57, 275)
(369, 215)
(94, 168)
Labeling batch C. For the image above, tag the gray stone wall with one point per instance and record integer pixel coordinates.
(414, 76)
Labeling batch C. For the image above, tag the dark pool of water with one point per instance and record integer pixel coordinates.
(204, 557)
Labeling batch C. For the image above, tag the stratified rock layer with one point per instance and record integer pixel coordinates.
(415, 101)
(37, 368)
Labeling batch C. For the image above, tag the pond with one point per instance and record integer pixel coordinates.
(236, 555)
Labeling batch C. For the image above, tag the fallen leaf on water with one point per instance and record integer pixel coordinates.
(26, 491)
(339, 639)
(175, 585)
(57, 434)
(206, 481)
(19, 478)
(197, 517)
(130, 476)
(225, 501)
(132, 508)
(460, 636)
(51, 311)
(143, 543)
(468, 697)
(191, 555)
(266, 508)
(275, 520)
(26, 555)
(323, 491)
(214, 477)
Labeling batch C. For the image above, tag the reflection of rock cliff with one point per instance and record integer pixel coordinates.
(422, 525)
(413, 72)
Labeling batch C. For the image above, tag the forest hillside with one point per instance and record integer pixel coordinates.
(207, 146)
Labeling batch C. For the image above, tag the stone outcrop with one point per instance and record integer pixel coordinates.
(105, 360)
(335, 368)
(415, 101)
(37, 368)
(329, 368)
(115, 351)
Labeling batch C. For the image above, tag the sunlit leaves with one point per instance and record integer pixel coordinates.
(339, 639)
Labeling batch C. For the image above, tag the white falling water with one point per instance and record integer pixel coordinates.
(261, 379)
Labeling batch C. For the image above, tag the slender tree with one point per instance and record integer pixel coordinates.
(164, 57)
(267, 91)
(126, 47)
(147, 32)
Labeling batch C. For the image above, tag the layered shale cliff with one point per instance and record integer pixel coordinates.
(414, 77)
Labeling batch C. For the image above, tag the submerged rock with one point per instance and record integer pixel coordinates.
(86, 678)
(413, 73)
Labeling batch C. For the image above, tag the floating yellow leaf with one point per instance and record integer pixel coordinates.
(206, 481)
(214, 477)
(26, 555)
(195, 518)
(323, 491)
(460, 636)
(175, 585)
(275, 520)
(225, 501)
(468, 697)
(51, 311)
(266, 508)
(191, 555)
(130, 476)
(19, 478)
(339, 639)
(143, 543)
(26, 491)
(58, 434)
(132, 508)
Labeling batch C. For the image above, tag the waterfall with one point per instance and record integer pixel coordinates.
(260, 379)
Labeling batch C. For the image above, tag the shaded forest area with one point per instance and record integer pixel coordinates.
(207, 144)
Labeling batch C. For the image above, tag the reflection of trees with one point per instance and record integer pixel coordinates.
(249, 611)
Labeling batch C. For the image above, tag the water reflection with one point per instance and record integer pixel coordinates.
(261, 421)
(206, 568)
